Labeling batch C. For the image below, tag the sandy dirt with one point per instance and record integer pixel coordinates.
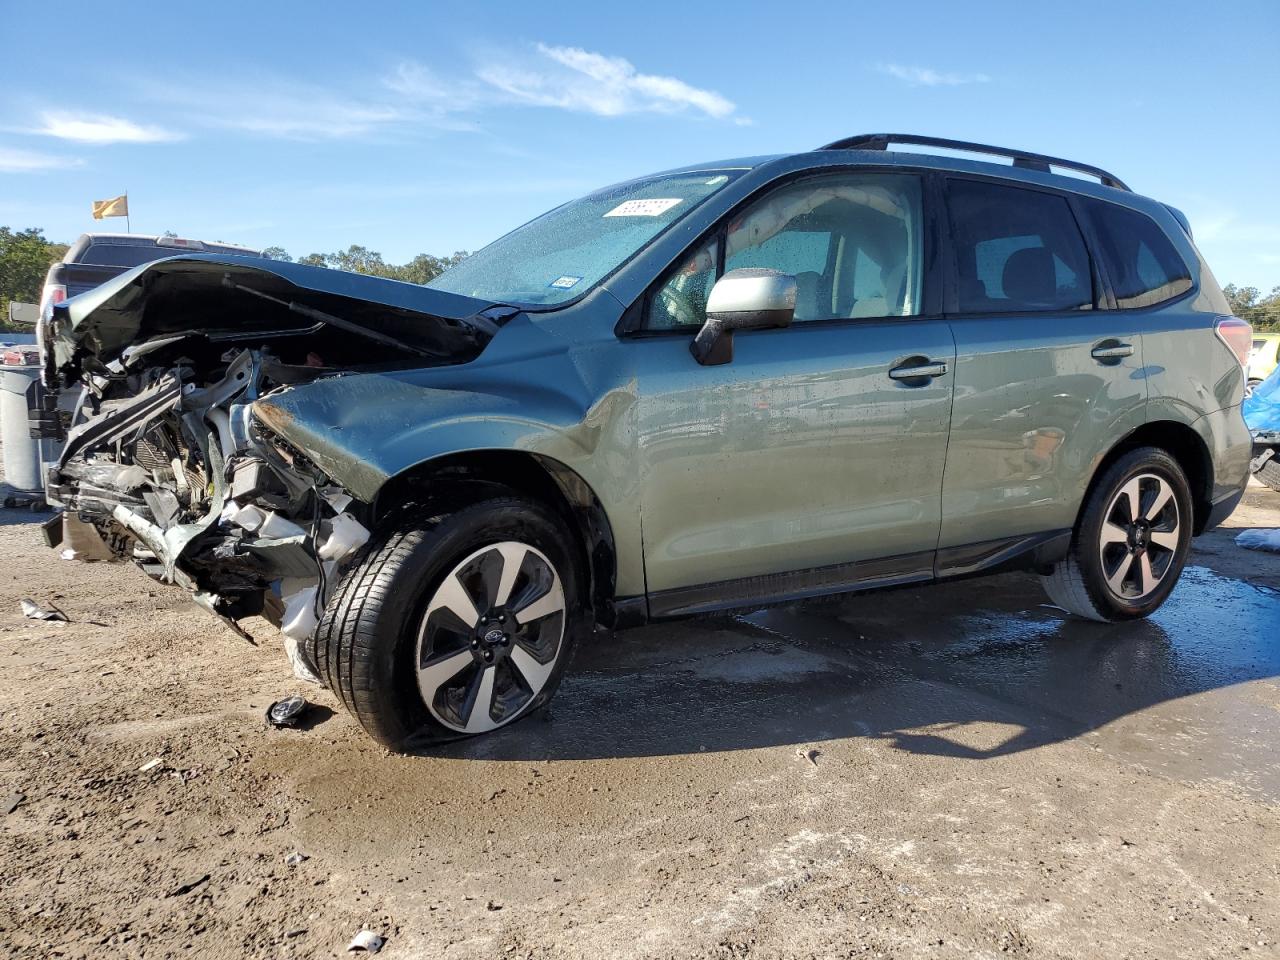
(950, 771)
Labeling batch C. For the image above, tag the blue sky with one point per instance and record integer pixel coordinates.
(418, 127)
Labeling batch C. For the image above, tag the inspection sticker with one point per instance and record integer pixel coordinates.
(563, 283)
(643, 208)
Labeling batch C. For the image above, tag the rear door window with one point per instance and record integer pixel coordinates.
(1016, 251)
(1141, 262)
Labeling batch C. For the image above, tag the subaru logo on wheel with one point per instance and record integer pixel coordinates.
(493, 636)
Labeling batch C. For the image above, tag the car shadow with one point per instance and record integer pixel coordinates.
(973, 669)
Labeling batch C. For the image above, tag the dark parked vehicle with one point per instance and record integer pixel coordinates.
(97, 257)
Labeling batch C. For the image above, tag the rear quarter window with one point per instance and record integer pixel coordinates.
(1141, 261)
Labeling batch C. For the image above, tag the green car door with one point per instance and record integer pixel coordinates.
(818, 445)
(1045, 381)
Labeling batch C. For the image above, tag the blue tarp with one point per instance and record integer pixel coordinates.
(1262, 409)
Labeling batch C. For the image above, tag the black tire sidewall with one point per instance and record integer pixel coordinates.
(404, 719)
(1136, 462)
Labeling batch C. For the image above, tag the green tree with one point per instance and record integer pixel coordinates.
(1249, 304)
(423, 268)
(25, 258)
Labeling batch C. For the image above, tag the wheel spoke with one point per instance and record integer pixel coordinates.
(1116, 580)
(1132, 493)
(434, 675)
(1168, 539)
(1113, 533)
(1146, 578)
(475, 712)
(535, 674)
(1164, 493)
(550, 602)
(452, 595)
(513, 555)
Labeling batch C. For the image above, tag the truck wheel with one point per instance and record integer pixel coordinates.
(454, 625)
(1130, 543)
(1270, 474)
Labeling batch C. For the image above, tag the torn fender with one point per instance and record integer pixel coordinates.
(363, 429)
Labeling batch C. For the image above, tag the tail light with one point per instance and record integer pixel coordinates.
(1237, 335)
(53, 293)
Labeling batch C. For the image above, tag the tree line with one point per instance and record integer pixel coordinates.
(26, 255)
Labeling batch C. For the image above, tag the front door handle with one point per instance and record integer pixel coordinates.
(919, 371)
(1111, 350)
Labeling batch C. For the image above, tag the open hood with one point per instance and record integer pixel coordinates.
(230, 298)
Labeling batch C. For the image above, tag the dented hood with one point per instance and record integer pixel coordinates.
(205, 294)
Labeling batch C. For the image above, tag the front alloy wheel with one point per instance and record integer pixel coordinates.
(489, 638)
(456, 623)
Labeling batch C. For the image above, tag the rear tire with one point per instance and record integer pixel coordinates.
(454, 625)
(1130, 543)
(1270, 474)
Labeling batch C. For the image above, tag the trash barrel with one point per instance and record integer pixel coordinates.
(24, 457)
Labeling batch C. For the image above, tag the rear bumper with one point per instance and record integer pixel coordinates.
(1219, 510)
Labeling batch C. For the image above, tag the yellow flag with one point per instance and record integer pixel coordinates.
(117, 207)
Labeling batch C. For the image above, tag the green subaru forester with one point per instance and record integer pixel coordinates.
(724, 386)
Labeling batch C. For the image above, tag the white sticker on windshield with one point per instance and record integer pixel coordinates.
(564, 283)
(643, 208)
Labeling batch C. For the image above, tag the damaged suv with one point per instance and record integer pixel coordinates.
(719, 387)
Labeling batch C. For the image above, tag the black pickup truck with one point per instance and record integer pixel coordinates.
(97, 257)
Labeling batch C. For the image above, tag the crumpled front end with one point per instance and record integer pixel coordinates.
(165, 462)
(178, 476)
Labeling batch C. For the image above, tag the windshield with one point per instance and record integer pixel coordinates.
(565, 252)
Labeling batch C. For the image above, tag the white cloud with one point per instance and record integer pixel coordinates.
(27, 161)
(578, 80)
(928, 77)
(100, 129)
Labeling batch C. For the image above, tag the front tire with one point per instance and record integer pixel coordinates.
(1130, 543)
(454, 625)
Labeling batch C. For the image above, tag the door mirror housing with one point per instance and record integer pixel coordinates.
(750, 298)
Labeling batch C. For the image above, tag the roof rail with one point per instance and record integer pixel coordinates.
(1021, 158)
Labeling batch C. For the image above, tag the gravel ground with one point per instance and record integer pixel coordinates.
(952, 771)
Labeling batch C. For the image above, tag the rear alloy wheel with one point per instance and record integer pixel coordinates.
(454, 624)
(1139, 539)
(1130, 543)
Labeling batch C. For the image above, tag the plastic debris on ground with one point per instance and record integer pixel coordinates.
(295, 858)
(150, 765)
(366, 940)
(287, 712)
(33, 611)
(1259, 540)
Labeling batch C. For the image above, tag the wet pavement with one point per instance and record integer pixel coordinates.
(919, 667)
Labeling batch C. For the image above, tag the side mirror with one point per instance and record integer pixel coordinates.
(750, 298)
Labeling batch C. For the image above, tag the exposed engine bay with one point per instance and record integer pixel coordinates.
(178, 476)
(166, 464)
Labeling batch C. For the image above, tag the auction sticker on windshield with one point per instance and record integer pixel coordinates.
(643, 208)
(563, 283)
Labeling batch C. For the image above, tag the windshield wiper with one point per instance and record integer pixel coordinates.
(331, 320)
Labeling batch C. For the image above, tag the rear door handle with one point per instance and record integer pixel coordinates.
(1112, 350)
(919, 371)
